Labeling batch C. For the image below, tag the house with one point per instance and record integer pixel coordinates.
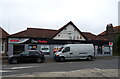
(50, 41)
(3, 41)
(110, 32)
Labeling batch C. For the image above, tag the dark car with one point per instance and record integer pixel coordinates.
(27, 56)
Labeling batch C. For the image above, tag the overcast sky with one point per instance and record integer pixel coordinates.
(88, 15)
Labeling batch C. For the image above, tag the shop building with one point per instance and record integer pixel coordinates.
(50, 41)
(3, 42)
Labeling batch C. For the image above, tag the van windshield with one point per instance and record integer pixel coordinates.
(60, 49)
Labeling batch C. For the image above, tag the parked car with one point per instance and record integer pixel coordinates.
(27, 56)
(75, 51)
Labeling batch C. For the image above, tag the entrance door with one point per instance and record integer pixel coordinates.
(99, 51)
(18, 48)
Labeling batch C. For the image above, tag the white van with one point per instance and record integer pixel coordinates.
(75, 51)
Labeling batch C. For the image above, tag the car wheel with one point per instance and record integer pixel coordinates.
(14, 61)
(39, 60)
(89, 58)
(62, 59)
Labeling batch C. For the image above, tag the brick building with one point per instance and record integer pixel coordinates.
(3, 41)
(111, 32)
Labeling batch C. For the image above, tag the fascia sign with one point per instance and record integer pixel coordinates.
(17, 40)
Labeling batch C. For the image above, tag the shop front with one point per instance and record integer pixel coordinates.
(49, 46)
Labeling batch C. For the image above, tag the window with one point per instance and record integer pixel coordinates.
(65, 28)
(3, 47)
(45, 48)
(33, 52)
(80, 37)
(75, 29)
(25, 53)
(32, 47)
(106, 50)
(58, 35)
(70, 37)
(67, 49)
(99, 50)
(18, 48)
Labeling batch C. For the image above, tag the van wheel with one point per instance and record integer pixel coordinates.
(62, 59)
(89, 58)
(14, 61)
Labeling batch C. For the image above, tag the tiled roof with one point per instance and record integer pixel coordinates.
(36, 32)
(115, 28)
(49, 33)
(3, 33)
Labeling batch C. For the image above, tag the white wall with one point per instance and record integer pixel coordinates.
(69, 33)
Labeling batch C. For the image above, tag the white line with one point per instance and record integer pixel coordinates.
(5, 71)
(97, 69)
(20, 67)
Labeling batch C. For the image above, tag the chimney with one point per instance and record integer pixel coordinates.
(109, 29)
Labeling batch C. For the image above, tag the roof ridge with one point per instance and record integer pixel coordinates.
(42, 29)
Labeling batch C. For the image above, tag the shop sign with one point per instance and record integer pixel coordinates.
(17, 40)
(39, 41)
(110, 43)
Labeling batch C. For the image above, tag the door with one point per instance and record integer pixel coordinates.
(99, 50)
(25, 56)
(18, 48)
(66, 53)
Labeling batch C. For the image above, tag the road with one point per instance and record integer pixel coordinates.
(107, 67)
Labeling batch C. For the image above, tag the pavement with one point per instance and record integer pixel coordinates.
(76, 73)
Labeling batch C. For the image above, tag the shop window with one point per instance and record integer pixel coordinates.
(99, 50)
(57, 48)
(106, 50)
(45, 49)
(32, 47)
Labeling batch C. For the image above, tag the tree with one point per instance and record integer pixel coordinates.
(117, 45)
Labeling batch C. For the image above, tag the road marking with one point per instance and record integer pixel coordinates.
(97, 69)
(20, 67)
(5, 71)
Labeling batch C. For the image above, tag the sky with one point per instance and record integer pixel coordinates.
(88, 15)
